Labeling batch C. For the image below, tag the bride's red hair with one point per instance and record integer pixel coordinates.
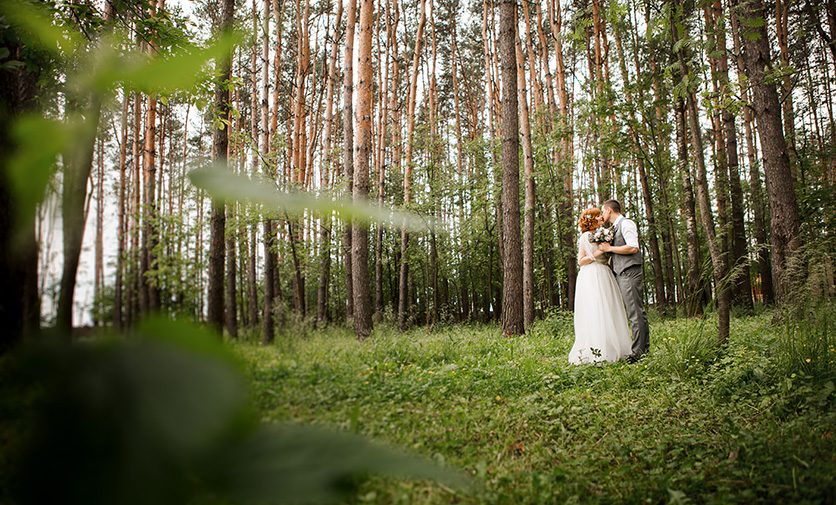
(589, 219)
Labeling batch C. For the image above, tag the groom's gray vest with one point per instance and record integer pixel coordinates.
(621, 262)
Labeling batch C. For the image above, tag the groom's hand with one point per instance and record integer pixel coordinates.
(605, 247)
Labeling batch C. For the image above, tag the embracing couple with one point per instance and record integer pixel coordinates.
(609, 289)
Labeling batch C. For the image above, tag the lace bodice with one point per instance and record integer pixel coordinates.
(589, 248)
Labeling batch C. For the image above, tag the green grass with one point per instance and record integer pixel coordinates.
(753, 422)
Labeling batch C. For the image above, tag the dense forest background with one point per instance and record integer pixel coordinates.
(495, 125)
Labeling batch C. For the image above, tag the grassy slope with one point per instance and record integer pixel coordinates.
(754, 424)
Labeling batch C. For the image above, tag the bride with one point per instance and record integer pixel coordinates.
(601, 331)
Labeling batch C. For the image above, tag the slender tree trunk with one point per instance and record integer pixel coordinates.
(756, 197)
(118, 303)
(362, 158)
(220, 146)
(231, 312)
(381, 158)
(403, 284)
(325, 227)
(512, 285)
(348, 151)
(718, 259)
(739, 260)
(565, 165)
(782, 13)
(528, 182)
(299, 165)
(133, 259)
(641, 153)
(150, 212)
(267, 321)
(98, 267)
(784, 218)
(693, 299)
(77, 172)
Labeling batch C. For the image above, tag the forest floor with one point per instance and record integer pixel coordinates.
(753, 422)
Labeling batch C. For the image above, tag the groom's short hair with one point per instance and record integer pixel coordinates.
(612, 204)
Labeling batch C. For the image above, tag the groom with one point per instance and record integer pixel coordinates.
(627, 266)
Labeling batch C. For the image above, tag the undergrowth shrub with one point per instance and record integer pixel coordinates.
(807, 345)
(684, 348)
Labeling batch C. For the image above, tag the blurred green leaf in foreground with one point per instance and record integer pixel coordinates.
(164, 418)
(262, 191)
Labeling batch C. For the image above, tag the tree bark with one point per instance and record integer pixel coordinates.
(231, 312)
(348, 151)
(362, 158)
(755, 184)
(644, 180)
(512, 285)
(718, 259)
(325, 226)
(739, 261)
(403, 283)
(220, 146)
(565, 166)
(784, 219)
(692, 300)
(528, 182)
(19, 306)
(76, 173)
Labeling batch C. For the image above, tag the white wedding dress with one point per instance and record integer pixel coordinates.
(601, 330)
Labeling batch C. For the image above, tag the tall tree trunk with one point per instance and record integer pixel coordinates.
(118, 302)
(739, 260)
(528, 182)
(99, 251)
(76, 173)
(756, 197)
(231, 312)
(565, 166)
(403, 284)
(488, 299)
(220, 146)
(267, 321)
(150, 212)
(718, 259)
(512, 285)
(784, 219)
(19, 308)
(460, 158)
(325, 226)
(641, 154)
(85, 111)
(299, 165)
(348, 151)
(693, 298)
(782, 13)
(362, 159)
(133, 260)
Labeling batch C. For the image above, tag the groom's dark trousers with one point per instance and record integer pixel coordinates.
(630, 282)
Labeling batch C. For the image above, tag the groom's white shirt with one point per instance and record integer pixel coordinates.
(628, 230)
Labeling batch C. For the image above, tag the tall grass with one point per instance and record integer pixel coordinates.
(752, 421)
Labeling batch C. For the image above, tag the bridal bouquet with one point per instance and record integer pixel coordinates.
(602, 235)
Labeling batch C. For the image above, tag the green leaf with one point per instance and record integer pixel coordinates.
(38, 142)
(161, 419)
(753, 36)
(752, 22)
(48, 35)
(224, 185)
(182, 70)
(296, 464)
